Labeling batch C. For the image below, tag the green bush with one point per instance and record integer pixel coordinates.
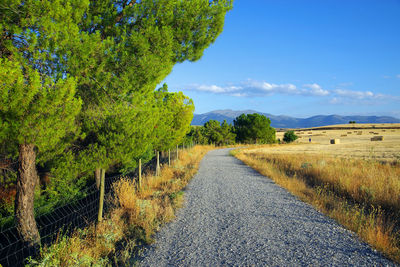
(289, 137)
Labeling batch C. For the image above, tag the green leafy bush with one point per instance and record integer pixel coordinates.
(289, 136)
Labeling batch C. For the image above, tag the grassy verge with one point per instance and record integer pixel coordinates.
(362, 195)
(138, 212)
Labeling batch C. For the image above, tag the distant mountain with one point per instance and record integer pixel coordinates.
(290, 122)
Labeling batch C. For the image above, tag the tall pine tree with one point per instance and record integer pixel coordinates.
(37, 97)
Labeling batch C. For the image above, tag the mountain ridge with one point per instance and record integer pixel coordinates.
(283, 121)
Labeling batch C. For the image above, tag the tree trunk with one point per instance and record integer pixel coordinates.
(97, 177)
(25, 196)
(169, 157)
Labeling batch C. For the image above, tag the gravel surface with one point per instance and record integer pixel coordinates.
(233, 216)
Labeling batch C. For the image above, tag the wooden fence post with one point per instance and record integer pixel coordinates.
(101, 203)
(97, 177)
(158, 164)
(140, 173)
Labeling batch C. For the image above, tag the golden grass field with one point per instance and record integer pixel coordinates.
(355, 141)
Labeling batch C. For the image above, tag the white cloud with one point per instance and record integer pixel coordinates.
(265, 88)
(354, 94)
(334, 100)
(253, 88)
(316, 90)
(214, 88)
(398, 76)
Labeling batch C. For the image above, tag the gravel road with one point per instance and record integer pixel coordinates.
(233, 216)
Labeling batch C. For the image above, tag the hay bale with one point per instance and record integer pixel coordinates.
(377, 138)
(343, 135)
(335, 141)
(348, 132)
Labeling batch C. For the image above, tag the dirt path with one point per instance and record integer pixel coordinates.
(233, 216)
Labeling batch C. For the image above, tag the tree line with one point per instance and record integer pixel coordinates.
(246, 129)
(78, 81)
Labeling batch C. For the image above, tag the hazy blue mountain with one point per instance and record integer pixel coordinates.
(282, 121)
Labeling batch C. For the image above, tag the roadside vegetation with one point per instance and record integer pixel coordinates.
(79, 97)
(246, 129)
(138, 212)
(362, 195)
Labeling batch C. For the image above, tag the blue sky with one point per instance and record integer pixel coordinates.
(300, 58)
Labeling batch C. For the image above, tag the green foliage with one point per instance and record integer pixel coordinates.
(33, 109)
(78, 78)
(127, 49)
(38, 103)
(219, 134)
(289, 136)
(196, 135)
(40, 111)
(54, 255)
(227, 132)
(213, 133)
(176, 113)
(38, 106)
(352, 122)
(254, 128)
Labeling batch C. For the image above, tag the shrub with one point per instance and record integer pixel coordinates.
(289, 136)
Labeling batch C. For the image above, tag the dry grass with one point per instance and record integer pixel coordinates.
(354, 144)
(138, 212)
(362, 195)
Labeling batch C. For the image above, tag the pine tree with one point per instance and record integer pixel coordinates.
(254, 128)
(38, 113)
(37, 97)
(99, 61)
(176, 113)
(227, 132)
(130, 47)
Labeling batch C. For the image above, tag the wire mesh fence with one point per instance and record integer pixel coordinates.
(63, 220)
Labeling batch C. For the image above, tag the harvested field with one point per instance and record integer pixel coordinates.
(357, 145)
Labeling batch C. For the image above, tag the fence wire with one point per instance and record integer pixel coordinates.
(62, 220)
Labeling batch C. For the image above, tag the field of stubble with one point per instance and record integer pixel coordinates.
(355, 143)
